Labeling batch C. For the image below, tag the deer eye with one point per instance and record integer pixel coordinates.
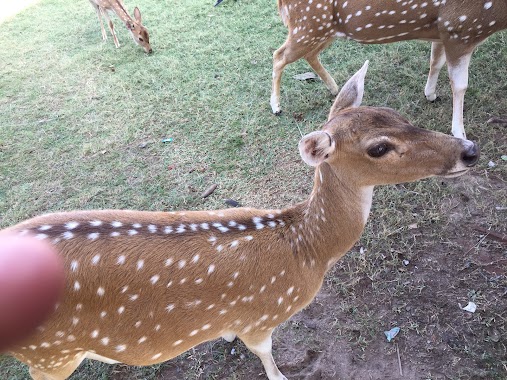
(379, 150)
(140, 39)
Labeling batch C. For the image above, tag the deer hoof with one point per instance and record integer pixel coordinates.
(433, 98)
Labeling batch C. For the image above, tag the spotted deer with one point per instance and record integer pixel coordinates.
(454, 27)
(144, 287)
(134, 25)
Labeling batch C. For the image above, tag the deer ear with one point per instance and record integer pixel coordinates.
(315, 147)
(137, 15)
(351, 94)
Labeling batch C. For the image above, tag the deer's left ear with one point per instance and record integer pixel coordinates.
(316, 147)
(137, 15)
(351, 94)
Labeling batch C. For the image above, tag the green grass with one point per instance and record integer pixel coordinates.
(74, 111)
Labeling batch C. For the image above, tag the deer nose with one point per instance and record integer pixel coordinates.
(471, 154)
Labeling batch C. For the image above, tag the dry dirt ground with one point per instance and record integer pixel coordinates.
(340, 335)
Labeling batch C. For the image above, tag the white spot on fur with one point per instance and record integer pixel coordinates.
(154, 279)
(95, 259)
(169, 307)
(121, 348)
(71, 225)
(93, 236)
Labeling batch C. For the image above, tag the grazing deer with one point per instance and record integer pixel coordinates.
(144, 287)
(137, 30)
(455, 28)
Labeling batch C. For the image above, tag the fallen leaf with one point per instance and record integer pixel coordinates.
(306, 76)
(209, 191)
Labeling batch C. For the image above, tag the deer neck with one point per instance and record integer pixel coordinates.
(328, 224)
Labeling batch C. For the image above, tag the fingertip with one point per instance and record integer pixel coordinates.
(31, 281)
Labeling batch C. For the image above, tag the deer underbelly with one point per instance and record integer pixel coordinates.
(91, 355)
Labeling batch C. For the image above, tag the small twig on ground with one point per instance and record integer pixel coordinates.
(492, 234)
(209, 191)
(399, 359)
(498, 120)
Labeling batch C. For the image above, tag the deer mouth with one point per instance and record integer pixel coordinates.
(454, 174)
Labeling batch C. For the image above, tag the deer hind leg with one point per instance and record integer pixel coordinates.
(58, 372)
(111, 27)
(289, 52)
(457, 65)
(314, 61)
(437, 61)
(261, 345)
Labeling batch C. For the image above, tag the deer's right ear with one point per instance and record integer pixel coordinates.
(316, 147)
(351, 94)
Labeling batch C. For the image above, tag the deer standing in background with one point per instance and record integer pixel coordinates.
(144, 287)
(135, 27)
(454, 27)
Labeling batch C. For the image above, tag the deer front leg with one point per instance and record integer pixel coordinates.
(458, 74)
(261, 345)
(279, 63)
(289, 52)
(437, 61)
(111, 27)
(314, 61)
